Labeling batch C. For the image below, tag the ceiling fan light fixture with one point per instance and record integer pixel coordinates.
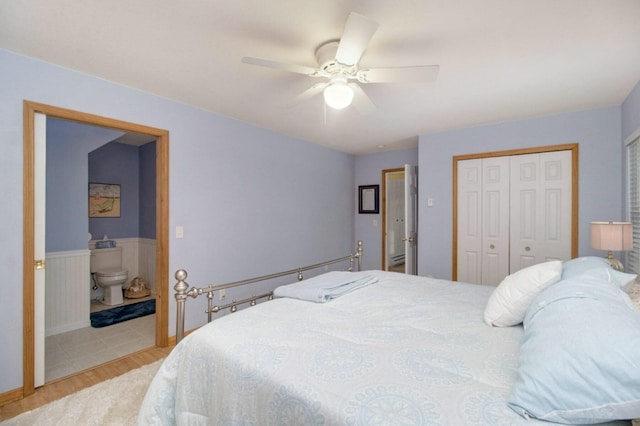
(338, 94)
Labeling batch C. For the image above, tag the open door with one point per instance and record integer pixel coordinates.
(411, 219)
(39, 205)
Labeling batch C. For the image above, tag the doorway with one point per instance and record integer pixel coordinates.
(31, 328)
(399, 220)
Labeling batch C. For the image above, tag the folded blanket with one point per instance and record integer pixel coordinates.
(325, 287)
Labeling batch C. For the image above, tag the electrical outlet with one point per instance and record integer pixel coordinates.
(222, 294)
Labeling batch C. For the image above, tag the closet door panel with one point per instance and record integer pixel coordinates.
(525, 210)
(524, 227)
(469, 255)
(555, 240)
(495, 220)
(540, 208)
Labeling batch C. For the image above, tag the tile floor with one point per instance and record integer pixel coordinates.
(77, 350)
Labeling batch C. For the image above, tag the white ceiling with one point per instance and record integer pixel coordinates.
(499, 59)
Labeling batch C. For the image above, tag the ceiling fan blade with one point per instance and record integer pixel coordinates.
(361, 101)
(416, 74)
(355, 38)
(307, 94)
(300, 69)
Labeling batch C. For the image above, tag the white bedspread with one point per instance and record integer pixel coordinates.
(405, 350)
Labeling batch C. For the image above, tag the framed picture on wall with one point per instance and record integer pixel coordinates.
(368, 196)
(104, 200)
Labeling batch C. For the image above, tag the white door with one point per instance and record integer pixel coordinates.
(39, 178)
(541, 197)
(483, 220)
(495, 220)
(469, 202)
(411, 219)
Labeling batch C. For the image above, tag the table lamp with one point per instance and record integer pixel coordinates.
(612, 236)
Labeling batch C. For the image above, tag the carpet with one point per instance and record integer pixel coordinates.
(122, 313)
(113, 402)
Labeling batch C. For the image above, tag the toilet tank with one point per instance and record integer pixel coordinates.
(106, 258)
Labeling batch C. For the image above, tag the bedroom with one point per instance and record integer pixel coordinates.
(238, 189)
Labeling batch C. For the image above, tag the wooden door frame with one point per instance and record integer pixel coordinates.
(573, 147)
(384, 212)
(162, 222)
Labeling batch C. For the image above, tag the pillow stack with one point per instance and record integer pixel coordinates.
(580, 357)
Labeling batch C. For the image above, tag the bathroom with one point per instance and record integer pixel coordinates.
(130, 169)
(79, 154)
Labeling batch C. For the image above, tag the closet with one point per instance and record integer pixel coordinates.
(513, 209)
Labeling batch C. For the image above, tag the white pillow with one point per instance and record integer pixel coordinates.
(509, 301)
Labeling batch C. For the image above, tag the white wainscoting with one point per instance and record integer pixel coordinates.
(68, 281)
(147, 262)
(67, 291)
(130, 256)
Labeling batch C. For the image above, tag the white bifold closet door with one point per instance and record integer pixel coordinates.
(513, 211)
(483, 220)
(540, 208)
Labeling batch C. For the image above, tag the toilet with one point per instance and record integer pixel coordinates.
(108, 273)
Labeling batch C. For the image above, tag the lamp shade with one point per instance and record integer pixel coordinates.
(614, 236)
(338, 94)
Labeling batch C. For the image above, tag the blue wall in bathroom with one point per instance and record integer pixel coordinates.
(68, 145)
(117, 163)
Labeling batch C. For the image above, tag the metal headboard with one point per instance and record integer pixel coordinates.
(183, 291)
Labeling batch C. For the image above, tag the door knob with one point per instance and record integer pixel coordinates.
(527, 248)
(492, 246)
(39, 263)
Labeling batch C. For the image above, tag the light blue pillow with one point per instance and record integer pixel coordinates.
(600, 268)
(580, 357)
(623, 280)
(580, 265)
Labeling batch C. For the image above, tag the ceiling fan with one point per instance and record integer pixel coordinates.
(338, 66)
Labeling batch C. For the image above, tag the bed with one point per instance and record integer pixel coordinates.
(405, 350)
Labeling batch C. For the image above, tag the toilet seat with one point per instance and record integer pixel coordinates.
(112, 272)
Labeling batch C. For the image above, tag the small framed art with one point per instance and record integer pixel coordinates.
(104, 200)
(368, 199)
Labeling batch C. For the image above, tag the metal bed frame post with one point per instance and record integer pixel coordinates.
(181, 297)
(183, 291)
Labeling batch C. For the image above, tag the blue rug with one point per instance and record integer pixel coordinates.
(122, 313)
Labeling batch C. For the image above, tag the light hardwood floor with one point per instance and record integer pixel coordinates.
(84, 379)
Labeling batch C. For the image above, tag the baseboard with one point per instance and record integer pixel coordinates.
(67, 327)
(10, 396)
(172, 339)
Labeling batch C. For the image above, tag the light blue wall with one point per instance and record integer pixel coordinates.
(68, 145)
(251, 201)
(368, 171)
(598, 133)
(117, 163)
(631, 113)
